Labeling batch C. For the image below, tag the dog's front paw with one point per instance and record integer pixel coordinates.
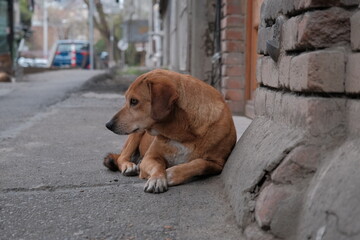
(129, 169)
(156, 185)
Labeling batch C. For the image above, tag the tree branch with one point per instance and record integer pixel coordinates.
(103, 27)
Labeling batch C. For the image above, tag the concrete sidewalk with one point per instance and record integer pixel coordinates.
(54, 186)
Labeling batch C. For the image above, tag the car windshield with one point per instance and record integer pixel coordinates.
(66, 47)
(81, 47)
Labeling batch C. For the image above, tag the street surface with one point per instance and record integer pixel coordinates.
(53, 184)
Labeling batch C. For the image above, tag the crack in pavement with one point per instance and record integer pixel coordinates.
(45, 188)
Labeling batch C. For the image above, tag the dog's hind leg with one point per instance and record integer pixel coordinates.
(122, 161)
(110, 161)
(184, 172)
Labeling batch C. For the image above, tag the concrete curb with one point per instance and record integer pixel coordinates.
(292, 175)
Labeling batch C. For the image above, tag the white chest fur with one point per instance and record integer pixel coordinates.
(180, 155)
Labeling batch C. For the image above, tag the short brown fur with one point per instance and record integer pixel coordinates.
(181, 127)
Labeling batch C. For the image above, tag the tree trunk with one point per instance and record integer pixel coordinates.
(102, 26)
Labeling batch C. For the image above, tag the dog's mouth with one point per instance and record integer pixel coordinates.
(135, 130)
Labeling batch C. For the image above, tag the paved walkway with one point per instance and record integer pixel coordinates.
(53, 184)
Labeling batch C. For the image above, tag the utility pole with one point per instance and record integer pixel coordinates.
(91, 33)
(45, 30)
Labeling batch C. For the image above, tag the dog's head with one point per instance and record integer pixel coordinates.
(149, 100)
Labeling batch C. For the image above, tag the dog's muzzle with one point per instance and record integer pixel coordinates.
(110, 125)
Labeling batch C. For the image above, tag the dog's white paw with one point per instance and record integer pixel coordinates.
(130, 169)
(156, 185)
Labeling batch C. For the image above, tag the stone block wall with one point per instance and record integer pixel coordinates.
(292, 174)
(233, 24)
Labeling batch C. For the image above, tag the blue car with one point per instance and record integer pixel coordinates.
(71, 54)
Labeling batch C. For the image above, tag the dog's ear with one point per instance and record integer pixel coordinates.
(163, 98)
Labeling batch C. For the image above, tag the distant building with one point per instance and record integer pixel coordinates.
(204, 38)
(14, 26)
(66, 20)
(135, 29)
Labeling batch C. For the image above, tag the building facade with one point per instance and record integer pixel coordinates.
(213, 40)
(182, 37)
(14, 25)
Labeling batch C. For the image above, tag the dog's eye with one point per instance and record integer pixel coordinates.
(133, 102)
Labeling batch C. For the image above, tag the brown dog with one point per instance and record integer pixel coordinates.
(180, 126)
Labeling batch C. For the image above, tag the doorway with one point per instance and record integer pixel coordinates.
(252, 26)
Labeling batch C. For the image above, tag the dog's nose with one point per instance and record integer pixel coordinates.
(109, 125)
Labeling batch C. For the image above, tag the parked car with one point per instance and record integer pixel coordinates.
(33, 62)
(25, 62)
(104, 59)
(71, 54)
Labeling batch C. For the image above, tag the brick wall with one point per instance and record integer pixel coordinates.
(308, 95)
(315, 46)
(233, 54)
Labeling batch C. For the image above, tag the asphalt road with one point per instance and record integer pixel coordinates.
(21, 102)
(53, 184)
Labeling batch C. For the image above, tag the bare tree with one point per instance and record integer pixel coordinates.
(102, 24)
